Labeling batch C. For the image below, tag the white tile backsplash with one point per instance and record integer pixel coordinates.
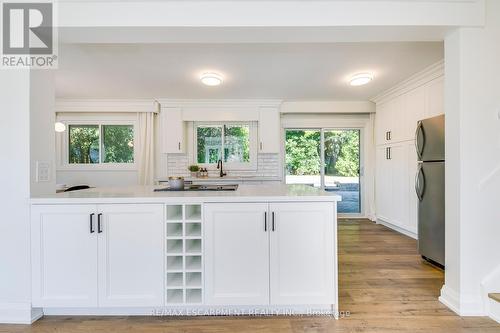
(268, 165)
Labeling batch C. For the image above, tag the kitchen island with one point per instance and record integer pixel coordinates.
(262, 249)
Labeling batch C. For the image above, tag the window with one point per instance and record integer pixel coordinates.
(99, 144)
(234, 143)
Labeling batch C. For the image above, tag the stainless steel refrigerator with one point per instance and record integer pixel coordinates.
(429, 185)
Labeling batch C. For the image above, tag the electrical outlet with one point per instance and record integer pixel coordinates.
(42, 171)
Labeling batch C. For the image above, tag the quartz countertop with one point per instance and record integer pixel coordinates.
(146, 194)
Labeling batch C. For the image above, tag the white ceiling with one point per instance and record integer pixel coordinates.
(284, 71)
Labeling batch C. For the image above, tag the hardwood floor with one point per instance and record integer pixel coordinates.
(383, 284)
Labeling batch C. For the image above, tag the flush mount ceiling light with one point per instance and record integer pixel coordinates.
(211, 79)
(360, 79)
(59, 127)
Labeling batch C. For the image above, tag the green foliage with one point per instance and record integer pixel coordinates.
(208, 136)
(303, 155)
(342, 153)
(194, 168)
(83, 144)
(236, 143)
(303, 152)
(117, 142)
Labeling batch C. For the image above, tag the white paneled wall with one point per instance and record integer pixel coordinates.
(268, 165)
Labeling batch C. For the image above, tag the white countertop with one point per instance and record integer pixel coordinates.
(146, 194)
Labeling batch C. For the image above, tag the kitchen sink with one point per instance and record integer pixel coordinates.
(207, 187)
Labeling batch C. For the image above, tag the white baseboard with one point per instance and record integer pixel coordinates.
(465, 306)
(19, 313)
(451, 299)
(398, 229)
(494, 310)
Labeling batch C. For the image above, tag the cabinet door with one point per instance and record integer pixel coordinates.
(302, 253)
(236, 254)
(174, 131)
(397, 120)
(269, 130)
(435, 93)
(400, 191)
(415, 106)
(130, 257)
(383, 184)
(64, 252)
(381, 124)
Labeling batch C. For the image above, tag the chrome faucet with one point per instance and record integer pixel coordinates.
(219, 166)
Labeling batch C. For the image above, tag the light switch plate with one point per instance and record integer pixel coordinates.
(42, 171)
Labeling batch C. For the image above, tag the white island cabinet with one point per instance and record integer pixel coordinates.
(270, 253)
(134, 250)
(97, 255)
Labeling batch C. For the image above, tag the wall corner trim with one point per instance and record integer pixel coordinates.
(463, 305)
(18, 313)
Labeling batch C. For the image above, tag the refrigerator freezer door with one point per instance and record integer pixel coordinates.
(429, 139)
(430, 189)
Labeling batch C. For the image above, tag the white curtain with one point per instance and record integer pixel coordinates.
(147, 132)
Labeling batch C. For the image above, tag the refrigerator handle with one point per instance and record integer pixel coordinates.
(419, 135)
(420, 188)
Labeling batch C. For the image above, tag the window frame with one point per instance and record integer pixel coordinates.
(62, 143)
(251, 165)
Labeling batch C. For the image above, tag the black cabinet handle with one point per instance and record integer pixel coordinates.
(99, 229)
(92, 223)
(265, 221)
(273, 226)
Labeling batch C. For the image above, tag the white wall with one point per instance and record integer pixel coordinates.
(15, 304)
(42, 118)
(97, 178)
(473, 161)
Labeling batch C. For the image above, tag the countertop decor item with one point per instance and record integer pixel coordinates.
(195, 169)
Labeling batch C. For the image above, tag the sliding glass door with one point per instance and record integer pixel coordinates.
(327, 159)
(342, 166)
(303, 157)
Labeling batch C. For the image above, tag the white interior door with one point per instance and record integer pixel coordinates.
(64, 252)
(131, 243)
(302, 253)
(236, 254)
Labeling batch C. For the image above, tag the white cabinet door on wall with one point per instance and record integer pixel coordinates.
(415, 106)
(302, 264)
(435, 91)
(64, 253)
(382, 124)
(236, 254)
(130, 255)
(269, 130)
(383, 183)
(398, 119)
(398, 160)
(173, 130)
